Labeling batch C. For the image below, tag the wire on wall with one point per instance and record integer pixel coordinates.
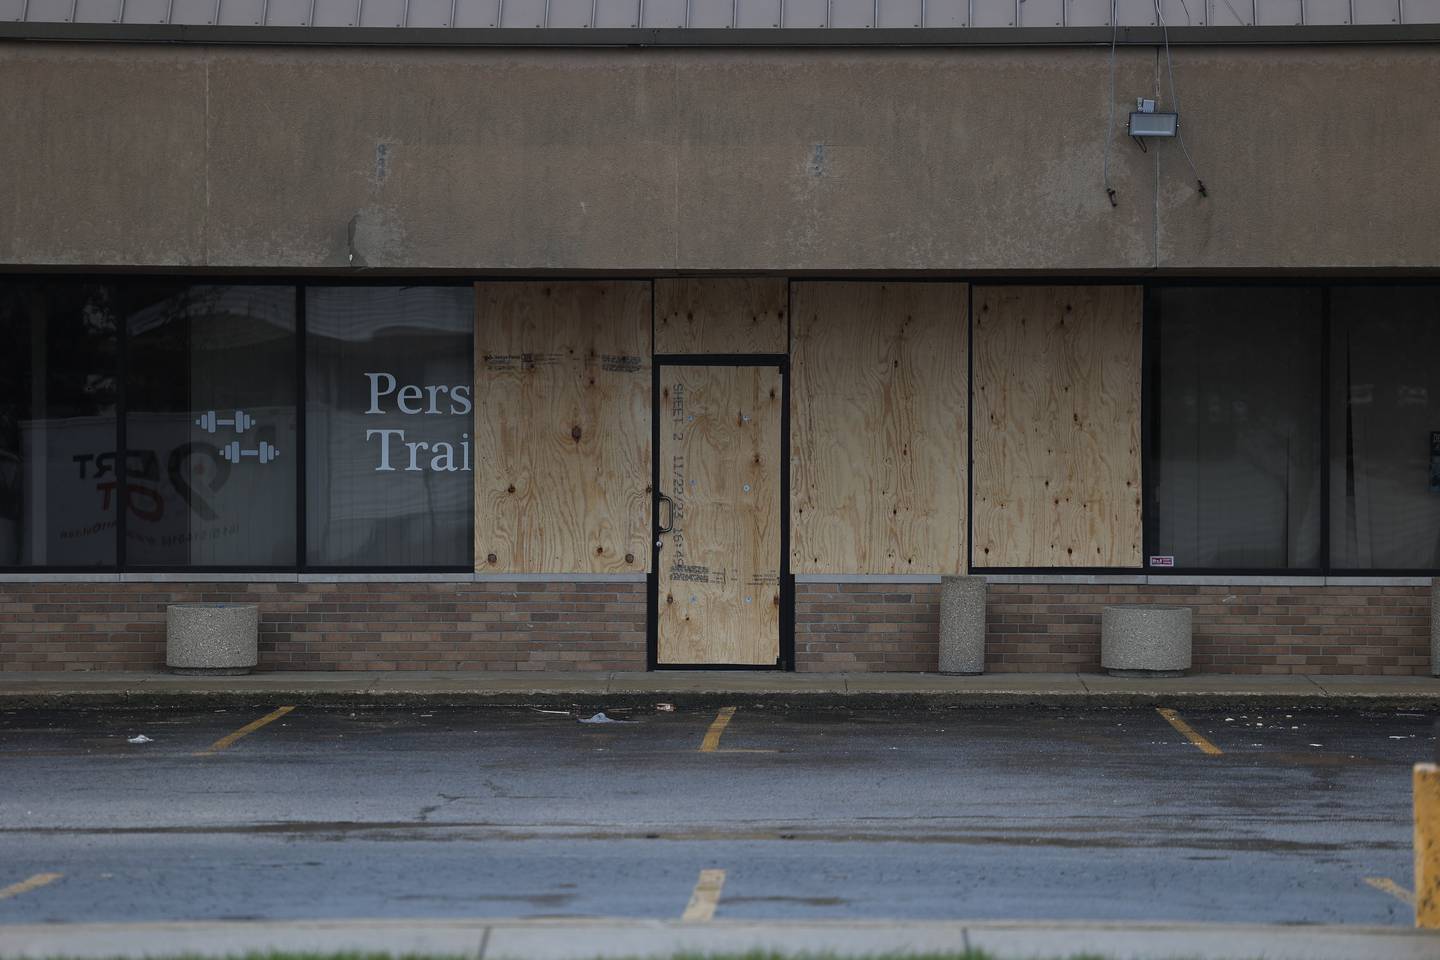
(1175, 98)
(1110, 124)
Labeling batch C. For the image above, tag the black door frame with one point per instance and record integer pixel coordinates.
(786, 658)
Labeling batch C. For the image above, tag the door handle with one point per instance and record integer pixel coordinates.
(669, 525)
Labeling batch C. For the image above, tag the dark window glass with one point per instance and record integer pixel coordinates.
(210, 424)
(1236, 445)
(389, 469)
(1385, 428)
(58, 432)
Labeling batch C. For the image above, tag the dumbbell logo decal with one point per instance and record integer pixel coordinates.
(209, 421)
(264, 453)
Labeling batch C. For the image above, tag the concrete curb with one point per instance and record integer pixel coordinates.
(603, 938)
(915, 693)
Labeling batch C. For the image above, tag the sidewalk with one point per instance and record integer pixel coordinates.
(600, 938)
(708, 687)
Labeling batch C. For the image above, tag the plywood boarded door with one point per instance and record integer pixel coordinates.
(718, 569)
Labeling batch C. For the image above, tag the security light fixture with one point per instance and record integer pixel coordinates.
(1153, 124)
(1146, 123)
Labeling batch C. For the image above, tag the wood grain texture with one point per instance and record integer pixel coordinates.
(878, 442)
(1057, 436)
(719, 569)
(562, 427)
(722, 315)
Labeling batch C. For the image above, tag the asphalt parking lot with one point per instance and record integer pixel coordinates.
(1255, 815)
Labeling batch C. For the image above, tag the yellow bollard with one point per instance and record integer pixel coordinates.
(1427, 845)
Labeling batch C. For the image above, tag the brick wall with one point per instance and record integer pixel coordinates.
(867, 626)
(601, 626)
(336, 626)
(1056, 627)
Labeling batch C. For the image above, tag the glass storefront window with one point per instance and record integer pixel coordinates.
(1235, 450)
(1385, 428)
(389, 410)
(210, 424)
(58, 433)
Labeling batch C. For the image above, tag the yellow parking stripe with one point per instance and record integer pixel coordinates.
(1189, 732)
(712, 736)
(244, 731)
(25, 886)
(1386, 885)
(706, 896)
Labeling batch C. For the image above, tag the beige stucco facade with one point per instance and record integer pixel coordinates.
(655, 160)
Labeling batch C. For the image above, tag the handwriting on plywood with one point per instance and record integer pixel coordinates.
(689, 572)
(879, 428)
(562, 427)
(520, 361)
(1057, 446)
(614, 363)
(721, 315)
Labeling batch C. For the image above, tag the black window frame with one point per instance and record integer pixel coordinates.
(299, 284)
(1151, 330)
(302, 356)
(1152, 383)
(122, 439)
(1153, 327)
(121, 333)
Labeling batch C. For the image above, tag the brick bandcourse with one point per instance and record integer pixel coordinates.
(336, 626)
(601, 626)
(1043, 628)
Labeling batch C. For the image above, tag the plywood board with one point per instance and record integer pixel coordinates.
(879, 426)
(1057, 435)
(721, 315)
(719, 567)
(562, 427)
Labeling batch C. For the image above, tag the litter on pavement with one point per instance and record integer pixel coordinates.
(141, 738)
(601, 718)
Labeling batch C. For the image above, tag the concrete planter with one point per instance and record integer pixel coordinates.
(962, 625)
(1145, 640)
(212, 638)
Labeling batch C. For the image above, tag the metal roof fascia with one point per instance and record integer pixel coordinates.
(705, 37)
